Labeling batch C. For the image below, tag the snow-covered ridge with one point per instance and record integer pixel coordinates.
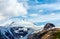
(22, 23)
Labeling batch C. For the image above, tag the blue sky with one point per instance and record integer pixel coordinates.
(39, 12)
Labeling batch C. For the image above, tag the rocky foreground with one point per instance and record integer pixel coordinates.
(49, 34)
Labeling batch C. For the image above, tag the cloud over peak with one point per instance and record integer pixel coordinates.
(11, 8)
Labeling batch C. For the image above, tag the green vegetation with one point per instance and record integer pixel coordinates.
(56, 35)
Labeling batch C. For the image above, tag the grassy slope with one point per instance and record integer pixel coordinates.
(56, 35)
(52, 34)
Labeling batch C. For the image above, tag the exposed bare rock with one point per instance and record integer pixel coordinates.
(48, 25)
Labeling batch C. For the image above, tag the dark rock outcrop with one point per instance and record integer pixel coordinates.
(48, 25)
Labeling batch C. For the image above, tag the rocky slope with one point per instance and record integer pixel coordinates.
(14, 32)
(46, 34)
(52, 34)
(49, 32)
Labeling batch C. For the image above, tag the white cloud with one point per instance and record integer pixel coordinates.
(52, 6)
(11, 8)
(48, 7)
(15, 8)
(2, 17)
(40, 11)
(52, 14)
(33, 15)
(45, 18)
